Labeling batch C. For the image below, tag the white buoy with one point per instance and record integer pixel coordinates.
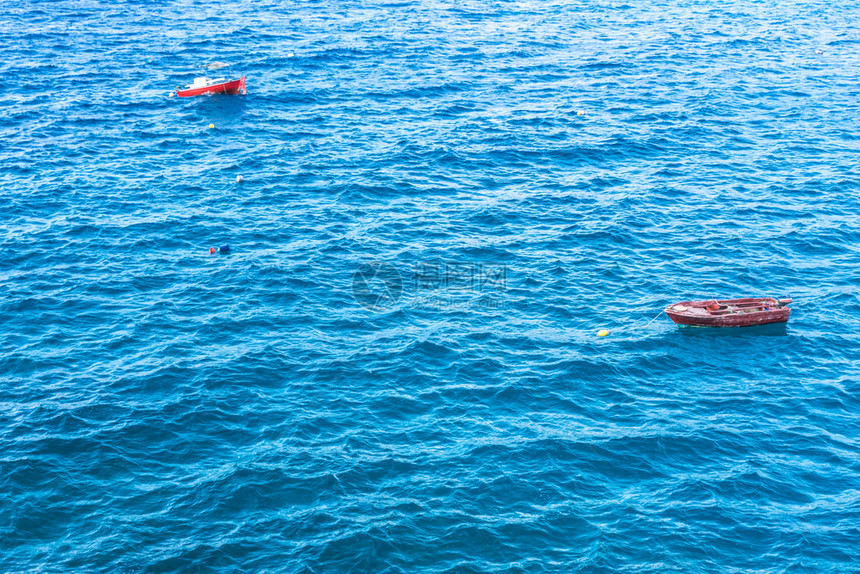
(239, 179)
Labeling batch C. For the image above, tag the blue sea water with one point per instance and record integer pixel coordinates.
(396, 367)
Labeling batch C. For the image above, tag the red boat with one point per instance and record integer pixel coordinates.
(203, 85)
(730, 312)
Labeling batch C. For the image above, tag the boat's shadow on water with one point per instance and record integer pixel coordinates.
(769, 330)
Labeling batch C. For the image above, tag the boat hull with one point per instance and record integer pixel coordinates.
(233, 87)
(746, 312)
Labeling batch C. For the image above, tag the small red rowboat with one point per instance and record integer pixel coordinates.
(730, 312)
(202, 86)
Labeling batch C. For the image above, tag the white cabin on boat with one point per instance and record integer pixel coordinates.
(203, 82)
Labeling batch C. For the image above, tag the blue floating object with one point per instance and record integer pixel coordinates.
(224, 248)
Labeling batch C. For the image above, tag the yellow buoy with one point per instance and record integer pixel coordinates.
(602, 333)
(580, 113)
(211, 126)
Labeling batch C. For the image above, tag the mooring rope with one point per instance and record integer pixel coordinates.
(655, 318)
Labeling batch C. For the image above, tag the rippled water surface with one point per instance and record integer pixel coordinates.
(396, 368)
